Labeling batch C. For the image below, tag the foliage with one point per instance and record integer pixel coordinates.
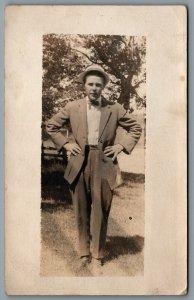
(65, 56)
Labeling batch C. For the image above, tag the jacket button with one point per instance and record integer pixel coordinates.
(101, 141)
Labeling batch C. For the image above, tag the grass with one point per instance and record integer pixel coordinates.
(125, 239)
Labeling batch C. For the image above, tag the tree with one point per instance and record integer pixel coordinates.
(65, 56)
(122, 57)
(60, 68)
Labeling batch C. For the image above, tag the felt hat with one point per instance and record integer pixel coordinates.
(92, 68)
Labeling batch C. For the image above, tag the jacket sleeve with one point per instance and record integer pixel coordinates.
(54, 125)
(128, 131)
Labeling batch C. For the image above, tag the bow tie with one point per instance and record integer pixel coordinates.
(94, 102)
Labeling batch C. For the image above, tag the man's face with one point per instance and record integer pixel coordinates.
(93, 87)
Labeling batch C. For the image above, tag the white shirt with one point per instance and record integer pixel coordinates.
(93, 121)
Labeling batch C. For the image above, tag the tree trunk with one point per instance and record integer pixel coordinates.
(126, 90)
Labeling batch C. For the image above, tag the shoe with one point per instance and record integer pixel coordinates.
(84, 261)
(97, 262)
(97, 267)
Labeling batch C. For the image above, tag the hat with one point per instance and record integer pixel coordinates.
(96, 68)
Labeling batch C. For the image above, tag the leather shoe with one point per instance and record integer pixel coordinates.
(84, 261)
(97, 267)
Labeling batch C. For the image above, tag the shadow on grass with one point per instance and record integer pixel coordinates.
(55, 197)
(53, 206)
(133, 177)
(119, 245)
(54, 188)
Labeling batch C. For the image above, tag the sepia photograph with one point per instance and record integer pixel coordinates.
(95, 150)
(92, 163)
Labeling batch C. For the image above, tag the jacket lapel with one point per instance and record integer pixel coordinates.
(82, 119)
(105, 116)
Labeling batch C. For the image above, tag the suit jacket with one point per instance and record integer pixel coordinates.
(116, 127)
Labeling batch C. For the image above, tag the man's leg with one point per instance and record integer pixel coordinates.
(101, 210)
(82, 207)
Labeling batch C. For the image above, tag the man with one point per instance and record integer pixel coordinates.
(101, 130)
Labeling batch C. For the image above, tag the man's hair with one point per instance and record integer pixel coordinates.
(95, 73)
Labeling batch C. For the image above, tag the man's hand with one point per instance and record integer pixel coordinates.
(72, 148)
(113, 150)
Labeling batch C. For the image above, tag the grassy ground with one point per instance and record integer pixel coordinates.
(125, 240)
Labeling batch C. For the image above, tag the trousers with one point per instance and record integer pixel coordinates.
(92, 198)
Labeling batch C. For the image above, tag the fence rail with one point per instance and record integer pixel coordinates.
(48, 152)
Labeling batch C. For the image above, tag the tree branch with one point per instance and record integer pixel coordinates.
(110, 65)
(111, 81)
(138, 84)
(94, 62)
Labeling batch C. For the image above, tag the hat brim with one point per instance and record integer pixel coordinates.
(83, 75)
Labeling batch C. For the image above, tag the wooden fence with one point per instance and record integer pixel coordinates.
(51, 153)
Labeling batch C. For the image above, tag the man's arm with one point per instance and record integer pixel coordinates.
(54, 125)
(53, 128)
(127, 134)
(128, 131)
